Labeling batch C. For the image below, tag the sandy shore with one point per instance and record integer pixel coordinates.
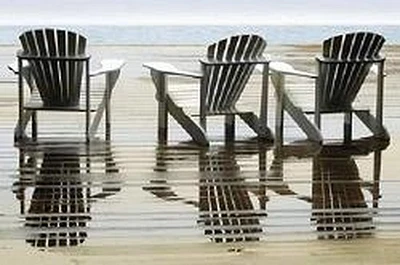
(376, 251)
(135, 224)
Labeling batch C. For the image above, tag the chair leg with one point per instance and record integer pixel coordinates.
(107, 106)
(108, 130)
(160, 82)
(34, 126)
(88, 119)
(19, 133)
(377, 174)
(317, 119)
(262, 168)
(162, 122)
(87, 127)
(88, 159)
(108, 120)
(279, 114)
(317, 114)
(348, 121)
(230, 128)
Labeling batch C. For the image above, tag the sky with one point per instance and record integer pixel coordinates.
(187, 12)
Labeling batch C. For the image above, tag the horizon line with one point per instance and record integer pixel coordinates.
(207, 24)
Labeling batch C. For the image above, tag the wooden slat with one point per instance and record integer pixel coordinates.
(371, 48)
(72, 74)
(359, 71)
(348, 69)
(222, 78)
(212, 73)
(343, 71)
(330, 70)
(55, 71)
(232, 72)
(81, 49)
(252, 49)
(218, 76)
(28, 41)
(62, 51)
(45, 66)
(241, 70)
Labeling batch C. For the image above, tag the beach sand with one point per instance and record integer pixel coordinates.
(137, 224)
(327, 252)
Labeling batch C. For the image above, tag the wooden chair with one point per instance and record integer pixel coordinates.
(224, 75)
(345, 63)
(54, 63)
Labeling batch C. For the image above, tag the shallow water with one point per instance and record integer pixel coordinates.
(69, 195)
(63, 193)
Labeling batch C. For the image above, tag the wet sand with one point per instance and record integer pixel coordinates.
(333, 252)
(145, 204)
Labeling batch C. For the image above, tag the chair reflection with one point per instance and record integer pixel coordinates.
(230, 204)
(56, 197)
(232, 186)
(340, 209)
(225, 207)
(232, 199)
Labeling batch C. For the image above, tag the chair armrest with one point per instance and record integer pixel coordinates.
(14, 66)
(287, 69)
(219, 62)
(169, 69)
(108, 66)
(374, 70)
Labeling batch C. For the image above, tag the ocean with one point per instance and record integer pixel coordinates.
(189, 35)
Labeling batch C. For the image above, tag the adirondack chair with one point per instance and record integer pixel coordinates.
(345, 63)
(54, 63)
(224, 74)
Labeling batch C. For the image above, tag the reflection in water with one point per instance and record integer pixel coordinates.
(58, 210)
(225, 207)
(339, 205)
(227, 212)
(232, 199)
(340, 209)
